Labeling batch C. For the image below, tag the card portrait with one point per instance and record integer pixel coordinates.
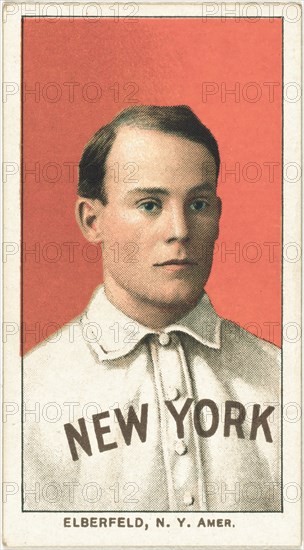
(157, 282)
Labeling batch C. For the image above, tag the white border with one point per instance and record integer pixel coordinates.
(254, 529)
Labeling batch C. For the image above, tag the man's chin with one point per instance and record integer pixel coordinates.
(178, 297)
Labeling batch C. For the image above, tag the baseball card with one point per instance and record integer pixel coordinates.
(152, 274)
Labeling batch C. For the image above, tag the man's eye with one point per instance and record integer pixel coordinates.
(148, 206)
(198, 205)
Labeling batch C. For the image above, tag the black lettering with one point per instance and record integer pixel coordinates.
(227, 522)
(237, 422)
(140, 425)
(210, 522)
(100, 430)
(215, 417)
(82, 438)
(261, 420)
(179, 417)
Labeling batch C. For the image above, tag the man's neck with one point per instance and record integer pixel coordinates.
(143, 311)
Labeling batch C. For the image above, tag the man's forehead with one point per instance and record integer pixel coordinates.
(144, 146)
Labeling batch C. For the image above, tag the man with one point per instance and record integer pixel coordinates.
(161, 404)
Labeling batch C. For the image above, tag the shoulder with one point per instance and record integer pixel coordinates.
(233, 334)
(57, 369)
(64, 346)
(249, 355)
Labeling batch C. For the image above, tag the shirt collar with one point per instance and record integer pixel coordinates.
(112, 334)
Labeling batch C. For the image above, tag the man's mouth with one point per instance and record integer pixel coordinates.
(176, 265)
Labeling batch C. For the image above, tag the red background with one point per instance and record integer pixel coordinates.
(167, 60)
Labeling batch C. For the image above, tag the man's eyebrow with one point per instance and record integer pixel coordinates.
(149, 190)
(202, 187)
(163, 191)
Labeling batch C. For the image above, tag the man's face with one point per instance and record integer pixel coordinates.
(161, 219)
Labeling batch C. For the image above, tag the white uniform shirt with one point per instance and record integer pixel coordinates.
(208, 368)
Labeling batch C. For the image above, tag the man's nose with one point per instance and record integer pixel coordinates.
(177, 226)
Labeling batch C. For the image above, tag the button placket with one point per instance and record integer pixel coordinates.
(170, 368)
(181, 452)
(157, 360)
(194, 487)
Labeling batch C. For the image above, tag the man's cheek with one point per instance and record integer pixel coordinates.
(214, 229)
(207, 236)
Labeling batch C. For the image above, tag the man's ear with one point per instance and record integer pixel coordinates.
(219, 213)
(89, 218)
(219, 206)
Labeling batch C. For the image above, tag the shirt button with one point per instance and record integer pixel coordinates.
(164, 339)
(188, 499)
(181, 447)
(172, 393)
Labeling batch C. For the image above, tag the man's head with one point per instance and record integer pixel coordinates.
(147, 186)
